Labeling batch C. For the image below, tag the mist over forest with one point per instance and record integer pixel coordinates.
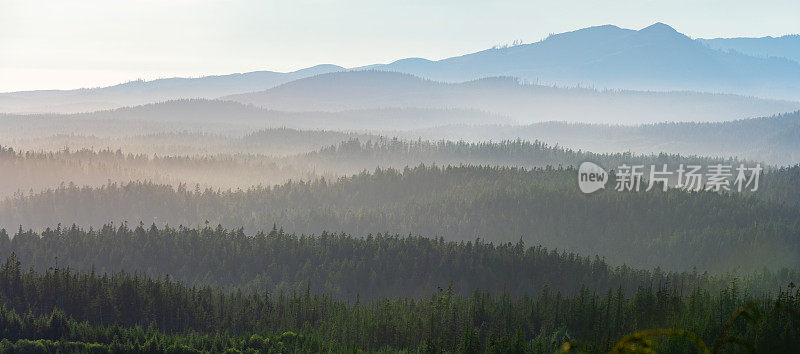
(414, 206)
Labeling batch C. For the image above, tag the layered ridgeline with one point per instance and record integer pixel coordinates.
(653, 58)
(344, 266)
(525, 103)
(268, 142)
(380, 102)
(231, 118)
(30, 172)
(383, 101)
(787, 46)
(656, 57)
(63, 310)
(774, 139)
(354, 156)
(143, 92)
(674, 230)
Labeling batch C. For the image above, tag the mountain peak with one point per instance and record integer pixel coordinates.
(659, 27)
(593, 33)
(662, 32)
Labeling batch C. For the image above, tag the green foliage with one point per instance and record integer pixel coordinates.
(341, 265)
(337, 264)
(90, 312)
(674, 230)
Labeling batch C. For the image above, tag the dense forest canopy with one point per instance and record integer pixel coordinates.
(64, 309)
(716, 232)
(32, 171)
(343, 266)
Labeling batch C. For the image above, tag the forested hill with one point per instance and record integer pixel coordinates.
(32, 172)
(355, 155)
(60, 310)
(674, 230)
(508, 96)
(215, 116)
(774, 139)
(346, 267)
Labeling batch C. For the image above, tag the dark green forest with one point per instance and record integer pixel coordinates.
(716, 232)
(482, 247)
(61, 308)
(346, 267)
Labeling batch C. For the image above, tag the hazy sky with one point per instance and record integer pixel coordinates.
(70, 44)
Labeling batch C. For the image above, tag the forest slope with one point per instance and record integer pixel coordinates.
(675, 230)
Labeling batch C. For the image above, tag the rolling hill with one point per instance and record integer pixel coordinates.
(142, 92)
(226, 117)
(773, 140)
(716, 232)
(781, 47)
(525, 103)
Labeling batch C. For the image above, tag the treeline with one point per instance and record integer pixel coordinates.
(340, 265)
(773, 140)
(31, 172)
(267, 142)
(674, 230)
(68, 309)
(58, 333)
(214, 161)
(355, 155)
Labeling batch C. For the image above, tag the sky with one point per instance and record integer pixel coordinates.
(74, 44)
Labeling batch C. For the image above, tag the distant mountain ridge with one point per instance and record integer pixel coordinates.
(227, 117)
(655, 58)
(142, 92)
(781, 47)
(773, 140)
(506, 96)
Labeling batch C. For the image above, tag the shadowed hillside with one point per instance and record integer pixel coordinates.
(506, 96)
(542, 206)
(773, 140)
(232, 118)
